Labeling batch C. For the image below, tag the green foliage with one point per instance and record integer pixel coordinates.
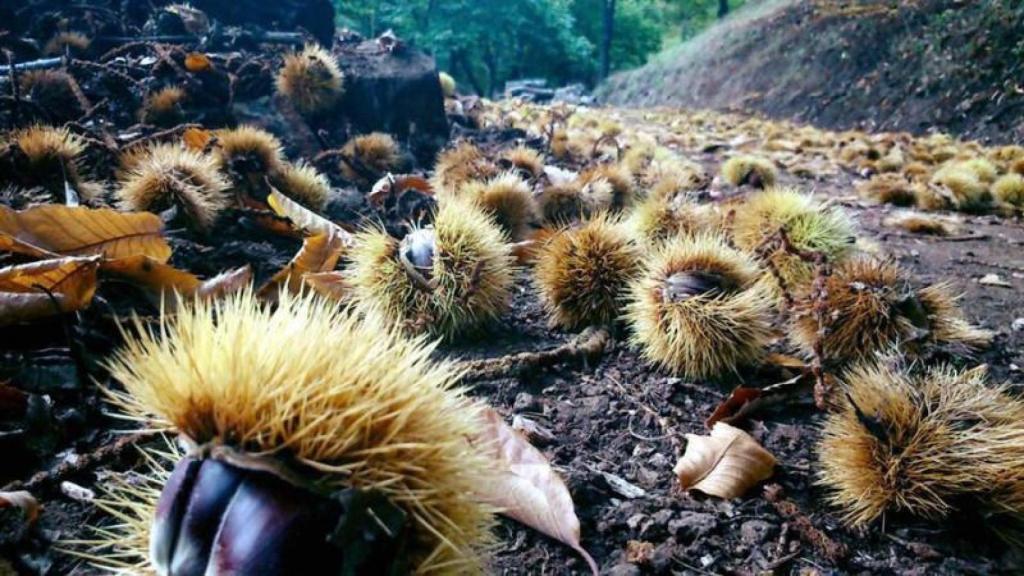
(484, 43)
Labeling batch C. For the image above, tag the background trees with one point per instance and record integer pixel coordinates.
(484, 43)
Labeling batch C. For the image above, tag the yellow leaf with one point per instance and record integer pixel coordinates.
(196, 138)
(319, 253)
(331, 285)
(528, 489)
(159, 278)
(47, 288)
(303, 218)
(725, 464)
(81, 231)
(197, 62)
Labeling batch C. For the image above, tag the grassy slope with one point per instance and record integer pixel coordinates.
(956, 66)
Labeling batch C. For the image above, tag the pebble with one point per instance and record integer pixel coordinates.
(524, 402)
(692, 525)
(1017, 325)
(754, 532)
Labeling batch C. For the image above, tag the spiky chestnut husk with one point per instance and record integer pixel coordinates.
(249, 150)
(659, 219)
(984, 170)
(163, 107)
(458, 166)
(526, 161)
(809, 225)
(55, 91)
(167, 175)
(699, 309)
(968, 192)
(1009, 189)
(76, 42)
(49, 157)
(367, 158)
(947, 322)
(620, 180)
(749, 170)
(445, 280)
(509, 200)
(302, 183)
(918, 223)
(448, 86)
(353, 405)
(583, 273)
(889, 189)
(310, 80)
(871, 307)
(915, 443)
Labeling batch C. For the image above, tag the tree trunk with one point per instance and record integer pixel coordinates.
(458, 58)
(606, 39)
(723, 8)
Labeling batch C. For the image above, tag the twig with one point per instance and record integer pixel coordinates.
(107, 453)
(805, 529)
(996, 265)
(586, 347)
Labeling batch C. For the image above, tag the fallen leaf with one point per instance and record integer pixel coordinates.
(196, 138)
(47, 288)
(225, 283)
(740, 398)
(159, 278)
(528, 489)
(197, 62)
(81, 231)
(331, 285)
(23, 500)
(303, 218)
(319, 253)
(391, 186)
(725, 464)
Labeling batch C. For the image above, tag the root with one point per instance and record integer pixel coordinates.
(585, 348)
(119, 449)
(802, 525)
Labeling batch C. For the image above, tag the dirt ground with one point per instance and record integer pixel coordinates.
(618, 424)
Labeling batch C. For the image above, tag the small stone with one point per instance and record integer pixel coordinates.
(659, 460)
(524, 402)
(624, 570)
(692, 525)
(994, 280)
(754, 532)
(636, 520)
(1017, 325)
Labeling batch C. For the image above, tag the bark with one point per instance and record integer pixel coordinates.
(607, 37)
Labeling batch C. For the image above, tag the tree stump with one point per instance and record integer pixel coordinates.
(396, 92)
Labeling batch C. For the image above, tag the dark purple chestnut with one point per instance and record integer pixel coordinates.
(215, 519)
(683, 285)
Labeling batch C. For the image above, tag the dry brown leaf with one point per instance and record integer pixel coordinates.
(303, 218)
(47, 288)
(23, 500)
(159, 278)
(196, 138)
(331, 285)
(225, 283)
(197, 62)
(319, 253)
(528, 489)
(725, 464)
(81, 231)
(9, 243)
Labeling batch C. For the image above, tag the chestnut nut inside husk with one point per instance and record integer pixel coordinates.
(214, 518)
